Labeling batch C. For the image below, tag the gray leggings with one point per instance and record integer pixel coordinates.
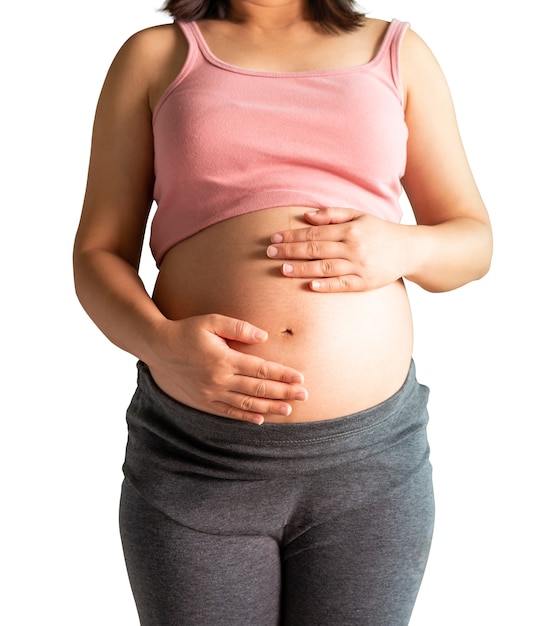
(326, 523)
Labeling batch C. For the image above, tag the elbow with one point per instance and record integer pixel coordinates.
(78, 260)
(78, 269)
(451, 276)
(479, 252)
(484, 269)
(486, 255)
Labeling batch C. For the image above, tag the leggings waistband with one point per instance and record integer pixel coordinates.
(165, 435)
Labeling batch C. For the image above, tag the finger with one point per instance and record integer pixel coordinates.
(331, 215)
(349, 282)
(308, 250)
(231, 412)
(269, 390)
(236, 330)
(249, 407)
(325, 232)
(255, 367)
(323, 268)
(259, 406)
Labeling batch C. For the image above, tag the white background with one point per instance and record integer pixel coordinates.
(487, 351)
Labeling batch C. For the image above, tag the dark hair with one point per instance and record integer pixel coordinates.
(331, 15)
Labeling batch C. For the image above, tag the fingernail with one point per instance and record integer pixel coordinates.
(272, 251)
(315, 284)
(302, 395)
(276, 238)
(287, 268)
(312, 212)
(285, 410)
(260, 334)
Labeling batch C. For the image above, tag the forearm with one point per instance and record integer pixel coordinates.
(448, 255)
(113, 295)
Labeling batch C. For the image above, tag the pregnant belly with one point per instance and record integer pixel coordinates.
(354, 349)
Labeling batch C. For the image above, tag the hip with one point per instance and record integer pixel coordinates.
(184, 461)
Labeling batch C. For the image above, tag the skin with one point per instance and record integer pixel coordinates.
(249, 335)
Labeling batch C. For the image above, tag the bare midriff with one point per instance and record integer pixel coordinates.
(354, 349)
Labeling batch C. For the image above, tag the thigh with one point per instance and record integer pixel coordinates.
(365, 566)
(181, 576)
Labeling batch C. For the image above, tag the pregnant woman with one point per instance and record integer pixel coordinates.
(277, 468)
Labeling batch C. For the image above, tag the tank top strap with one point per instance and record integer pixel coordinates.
(190, 34)
(388, 56)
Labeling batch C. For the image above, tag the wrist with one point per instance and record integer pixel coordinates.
(417, 248)
(156, 340)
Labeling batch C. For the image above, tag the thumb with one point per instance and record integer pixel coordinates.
(331, 215)
(237, 330)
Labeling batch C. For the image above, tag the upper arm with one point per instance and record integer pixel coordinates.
(438, 179)
(120, 181)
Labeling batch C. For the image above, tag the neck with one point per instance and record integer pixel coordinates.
(267, 15)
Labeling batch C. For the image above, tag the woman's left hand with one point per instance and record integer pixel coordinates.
(343, 250)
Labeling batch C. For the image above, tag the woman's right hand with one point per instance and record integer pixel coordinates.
(195, 365)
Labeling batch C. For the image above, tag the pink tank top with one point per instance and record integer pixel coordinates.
(230, 141)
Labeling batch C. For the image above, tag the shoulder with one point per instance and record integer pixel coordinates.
(420, 70)
(413, 44)
(374, 28)
(149, 59)
(412, 48)
(149, 46)
(374, 22)
(370, 35)
(416, 56)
